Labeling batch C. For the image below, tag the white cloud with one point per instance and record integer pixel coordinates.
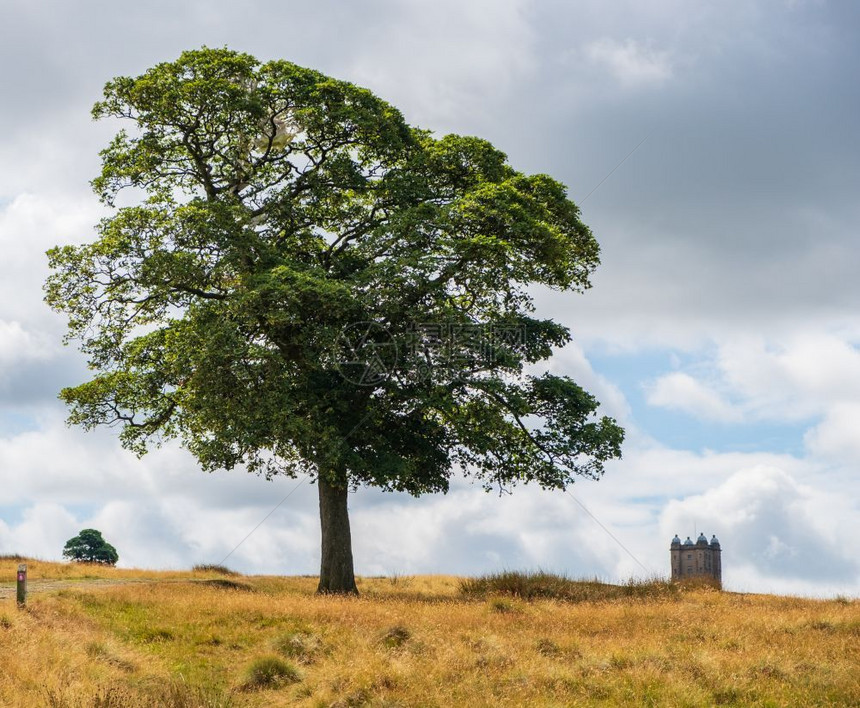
(65, 466)
(793, 376)
(30, 224)
(42, 532)
(837, 437)
(443, 61)
(680, 391)
(18, 345)
(630, 62)
(571, 361)
(159, 511)
(469, 531)
(773, 532)
(162, 512)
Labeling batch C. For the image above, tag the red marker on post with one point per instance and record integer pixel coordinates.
(22, 585)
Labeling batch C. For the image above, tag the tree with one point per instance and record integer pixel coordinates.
(310, 285)
(89, 547)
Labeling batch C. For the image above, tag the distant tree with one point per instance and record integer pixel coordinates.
(89, 547)
(310, 285)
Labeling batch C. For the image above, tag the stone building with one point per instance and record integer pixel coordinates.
(695, 559)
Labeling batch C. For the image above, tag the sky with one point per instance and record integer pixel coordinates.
(714, 150)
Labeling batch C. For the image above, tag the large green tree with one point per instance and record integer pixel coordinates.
(303, 283)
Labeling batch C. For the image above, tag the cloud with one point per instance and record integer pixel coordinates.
(835, 438)
(571, 361)
(34, 365)
(471, 532)
(30, 224)
(682, 392)
(445, 61)
(794, 376)
(17, 345)
(631, 63)
(771, 530)
(42, 532)
(163, 512)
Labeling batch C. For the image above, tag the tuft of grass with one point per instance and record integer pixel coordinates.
(174, 693)
(101, 652)
(695, 583)
(357, 699)
(269, 672)
(547, 647)
(155, 635)
(302, 646)
(549, 586)
(727, 697)
(396, 578)
(225, 584)
(502, 605)
(214, 568)
(395, 637)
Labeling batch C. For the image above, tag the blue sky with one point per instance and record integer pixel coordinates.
(722, 330)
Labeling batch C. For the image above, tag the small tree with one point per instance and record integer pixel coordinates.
(89, 547)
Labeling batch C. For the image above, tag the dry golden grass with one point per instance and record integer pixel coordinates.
(202, 639)
(47, 570)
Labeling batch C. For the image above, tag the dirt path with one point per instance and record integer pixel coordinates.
(8, 591)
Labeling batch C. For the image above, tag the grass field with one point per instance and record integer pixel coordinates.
(204, 638)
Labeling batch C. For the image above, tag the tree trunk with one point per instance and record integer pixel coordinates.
(336, 570)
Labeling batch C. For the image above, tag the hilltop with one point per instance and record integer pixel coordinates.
(97, 636)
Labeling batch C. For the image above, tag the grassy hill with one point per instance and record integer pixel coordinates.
(94, 636)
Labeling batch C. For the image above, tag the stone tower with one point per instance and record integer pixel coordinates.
(696, 559)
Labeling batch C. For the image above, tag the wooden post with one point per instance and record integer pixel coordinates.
(22, 585)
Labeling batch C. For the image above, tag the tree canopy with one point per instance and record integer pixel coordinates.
(307, 284)
(89, 547)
